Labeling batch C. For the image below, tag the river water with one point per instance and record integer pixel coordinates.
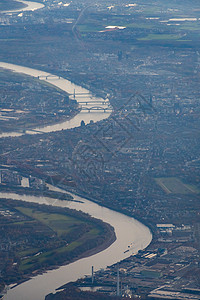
(81, 95)
(30, 6)
(131, 234)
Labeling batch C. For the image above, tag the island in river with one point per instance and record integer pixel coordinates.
(40, 237)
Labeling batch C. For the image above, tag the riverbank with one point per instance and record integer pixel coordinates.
(122, 62)
(150, 225)
(21, 5)
(81, 234)
(72, 292)
(102, 256)
(93, 110)
(106, 243)
(37, 192)
(138, 234)
(28, 103)
(11, 5)
(43, 120)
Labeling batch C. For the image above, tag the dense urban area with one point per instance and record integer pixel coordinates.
(143, 160)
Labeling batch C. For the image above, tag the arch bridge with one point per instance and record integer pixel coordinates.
(96, 109)
(103, 102)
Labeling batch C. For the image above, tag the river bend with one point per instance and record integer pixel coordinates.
(130, 234)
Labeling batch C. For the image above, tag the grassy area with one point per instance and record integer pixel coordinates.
(28, 252)
(140, 25)
(151, 10)
(89, 28)
(192, 26)
(175, 186)
(61, 224)
(70, 234)
(193, 188)
(151, 36)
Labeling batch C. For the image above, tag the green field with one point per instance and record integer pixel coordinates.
(176, 186)
(70, 237)
(61, 224)
(151, 10)
(89, 28)
(151, 36)
(140, 25)
(193, 26)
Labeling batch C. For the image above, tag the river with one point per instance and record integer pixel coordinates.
(130, 234)
(81, 95)
(30, 6)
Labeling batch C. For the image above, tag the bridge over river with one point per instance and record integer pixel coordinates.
(93, 108)
(96, 109)
(128, 230)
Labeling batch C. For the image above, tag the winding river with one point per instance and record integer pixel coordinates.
(131, 234)
(81, 95)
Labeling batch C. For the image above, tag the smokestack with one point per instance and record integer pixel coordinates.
(92, 274)
(117, 281)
